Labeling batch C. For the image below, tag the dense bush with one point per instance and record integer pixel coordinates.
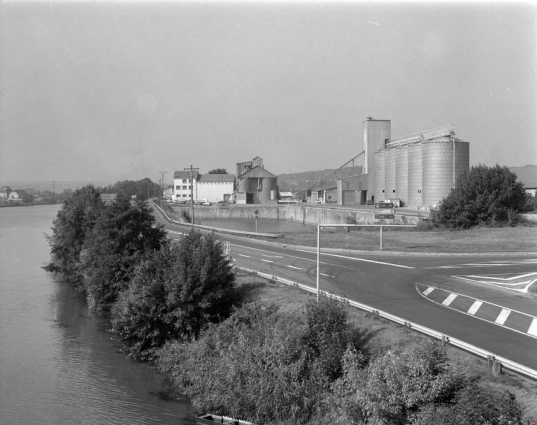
(484, 195)
(74, 221)
(175, 294)
(260, 366)
(123, 234)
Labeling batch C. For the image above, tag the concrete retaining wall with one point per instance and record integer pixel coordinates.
(295, 213)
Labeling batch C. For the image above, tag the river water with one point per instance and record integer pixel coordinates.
(58, 365)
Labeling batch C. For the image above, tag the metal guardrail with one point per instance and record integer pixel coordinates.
(506, 363)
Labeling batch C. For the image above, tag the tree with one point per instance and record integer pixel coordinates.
(394, 386)
(71, 226)
(141, 189)
(122, 236)
(175, 294)
(218, 171)
(484, 195)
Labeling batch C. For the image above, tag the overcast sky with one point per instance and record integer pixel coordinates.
(123, 90)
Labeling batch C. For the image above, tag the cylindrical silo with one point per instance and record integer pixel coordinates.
(401, 174)
(265, 187)
(438, 170)
(414, 175)
(389, 179)
(462, 158)
(379, 174)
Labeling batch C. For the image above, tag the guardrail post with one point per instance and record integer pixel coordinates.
(496, 368)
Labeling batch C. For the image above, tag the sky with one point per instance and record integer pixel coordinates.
(116, 90)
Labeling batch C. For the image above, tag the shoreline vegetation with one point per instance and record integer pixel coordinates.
(241, 346)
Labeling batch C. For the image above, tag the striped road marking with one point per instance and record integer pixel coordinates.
(428, 290)
(513, 320)
(533, 328)
(502, 317)
(475, 307)
(449, 299)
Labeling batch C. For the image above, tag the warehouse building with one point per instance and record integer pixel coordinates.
(418, 170)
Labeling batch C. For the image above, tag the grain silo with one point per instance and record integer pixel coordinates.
(401, 174)
(438, 170)
(414, 175)
(379, 176)
(389, 178)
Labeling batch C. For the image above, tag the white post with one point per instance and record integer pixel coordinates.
(318, 257)
(381, 238)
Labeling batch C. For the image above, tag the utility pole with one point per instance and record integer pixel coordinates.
(191, 169)
(162, 182)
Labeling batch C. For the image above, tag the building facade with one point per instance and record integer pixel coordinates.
(255, 185)
(184, 186)
(215, 187)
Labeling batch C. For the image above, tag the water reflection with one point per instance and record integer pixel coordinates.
(58, 365)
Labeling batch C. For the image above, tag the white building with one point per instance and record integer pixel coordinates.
(184, 184)
(212, 187)
(215, 187)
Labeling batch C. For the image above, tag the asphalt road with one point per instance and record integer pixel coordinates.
(478, 299)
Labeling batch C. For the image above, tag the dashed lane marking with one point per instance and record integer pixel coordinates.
(513, 320)
(266, 261)
(293, 267)
(242, 255)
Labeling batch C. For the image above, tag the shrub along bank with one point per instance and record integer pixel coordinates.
(303, 362)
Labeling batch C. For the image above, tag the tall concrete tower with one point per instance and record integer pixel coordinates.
(375, 135)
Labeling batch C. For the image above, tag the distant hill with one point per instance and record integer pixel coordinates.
(526, 175)
(299, 182)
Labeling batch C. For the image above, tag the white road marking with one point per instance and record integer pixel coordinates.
(475, 307)
(293, 267)
(242, 255)
(502, 317)
(266, 261)
(449, 299)
(369, 261)
(271, 256)
(327, 275)
(533, 328)
(428, 290)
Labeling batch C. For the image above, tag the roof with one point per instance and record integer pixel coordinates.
(217, 178)
(256, 172)
(185, 174)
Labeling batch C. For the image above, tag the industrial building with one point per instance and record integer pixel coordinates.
(255, 185)
(418, 170)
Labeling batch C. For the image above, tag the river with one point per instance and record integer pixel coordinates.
(58, 365)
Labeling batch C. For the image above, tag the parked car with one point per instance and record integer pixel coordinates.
(205, 203)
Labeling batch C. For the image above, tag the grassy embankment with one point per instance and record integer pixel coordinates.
(384, 336)
(522, 238)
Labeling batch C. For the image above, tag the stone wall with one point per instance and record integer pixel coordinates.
(295, 213)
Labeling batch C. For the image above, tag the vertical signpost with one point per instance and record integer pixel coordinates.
(384, 214)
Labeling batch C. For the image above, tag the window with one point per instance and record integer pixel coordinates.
(184, 180)
(177, 187)
(184, 187)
